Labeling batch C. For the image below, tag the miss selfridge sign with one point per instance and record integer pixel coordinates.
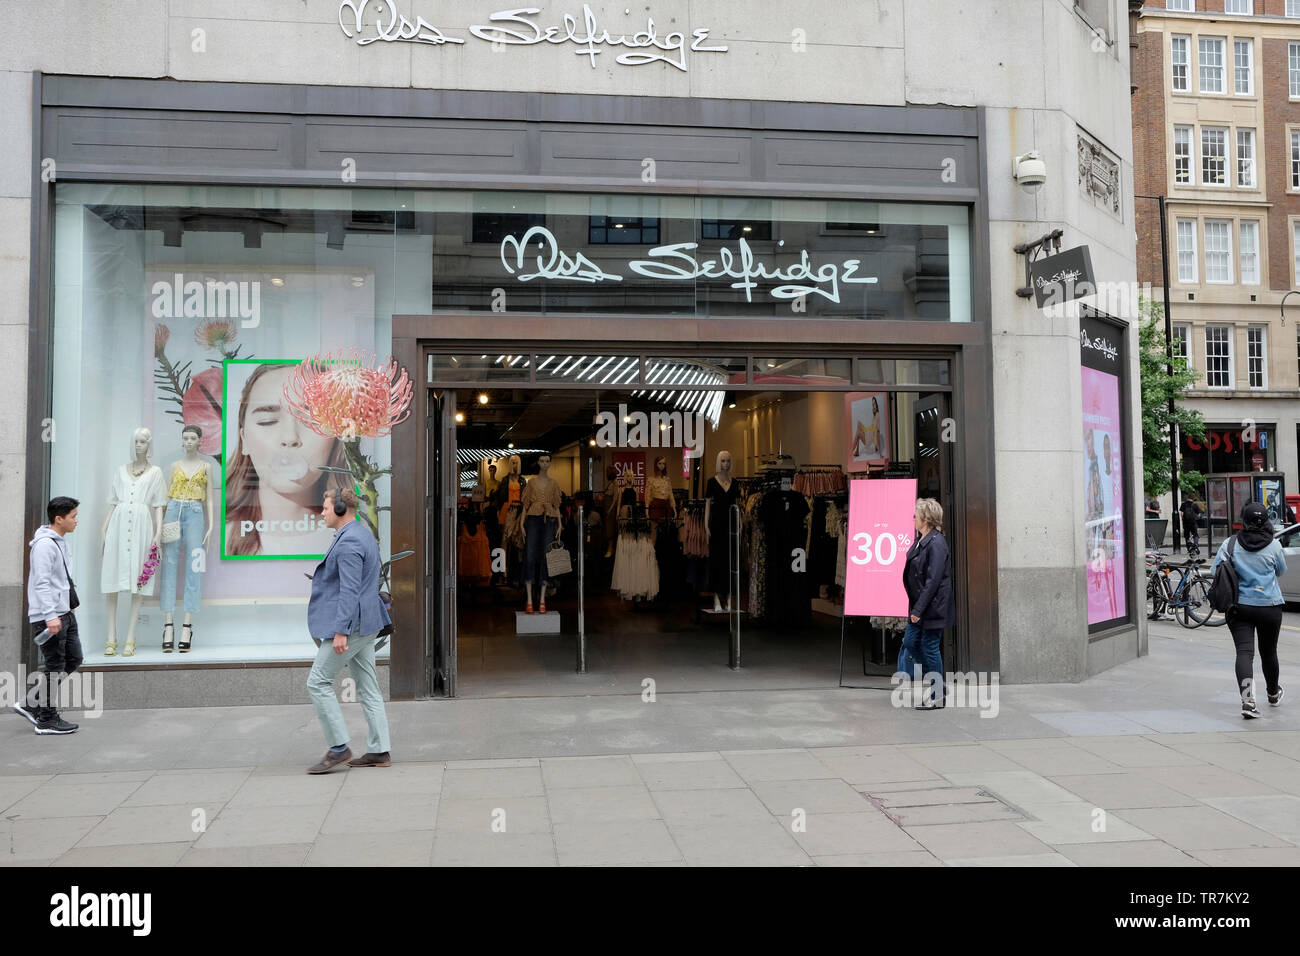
(524, 27)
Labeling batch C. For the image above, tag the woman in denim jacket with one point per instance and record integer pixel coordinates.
(1259, 562)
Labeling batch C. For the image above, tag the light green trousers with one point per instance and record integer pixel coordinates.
(360, 659)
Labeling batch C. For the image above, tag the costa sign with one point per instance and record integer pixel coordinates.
(1225, 441)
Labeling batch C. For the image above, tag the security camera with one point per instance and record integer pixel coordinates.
(1030, 171)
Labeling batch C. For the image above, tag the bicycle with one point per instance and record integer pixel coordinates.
(1189, 599)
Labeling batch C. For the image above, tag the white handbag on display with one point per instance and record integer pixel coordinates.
(171, 531)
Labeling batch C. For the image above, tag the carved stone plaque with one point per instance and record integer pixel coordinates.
(1098, 175)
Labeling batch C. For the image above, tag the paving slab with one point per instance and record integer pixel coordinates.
(1277, 814)
(1122, 791)
(625, 841)
(493, 815)
(455, 848)
(955, 841)
(764, 842)
(1199, 828)
(601, 804)
(1138, 853)
(562, 772)
(133, 826)
(378, 848)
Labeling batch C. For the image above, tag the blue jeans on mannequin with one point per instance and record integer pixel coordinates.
(922, 647)
(174, 553)
(539, 532)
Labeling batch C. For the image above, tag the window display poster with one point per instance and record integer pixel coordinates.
(880, 532)
(1270, 496)
(1218, 492)
(274, 482)
(630, 466)
(868, 417)
(1103, 483)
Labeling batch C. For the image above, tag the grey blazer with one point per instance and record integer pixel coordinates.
(345, 587)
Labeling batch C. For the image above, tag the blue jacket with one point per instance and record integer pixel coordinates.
(345, 587)
(928, 583)
(1257, 573)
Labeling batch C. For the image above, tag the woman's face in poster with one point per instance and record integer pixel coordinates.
(285, 453)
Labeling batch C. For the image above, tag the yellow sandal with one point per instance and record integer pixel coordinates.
(129, 649)
(110, 648)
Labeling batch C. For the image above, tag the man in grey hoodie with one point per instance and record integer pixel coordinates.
(50, 603)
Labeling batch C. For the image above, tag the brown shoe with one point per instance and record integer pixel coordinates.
(330, 761)
(373, 760)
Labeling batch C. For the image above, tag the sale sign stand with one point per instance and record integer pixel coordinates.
(880, 533)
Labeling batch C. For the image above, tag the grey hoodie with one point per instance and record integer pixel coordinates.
(47, 586)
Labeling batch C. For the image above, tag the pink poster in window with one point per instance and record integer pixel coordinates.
(1103, 483)
(880, 532)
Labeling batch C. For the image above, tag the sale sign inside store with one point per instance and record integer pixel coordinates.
(880, 532)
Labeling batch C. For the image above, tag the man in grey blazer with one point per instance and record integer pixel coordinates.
(344, 616)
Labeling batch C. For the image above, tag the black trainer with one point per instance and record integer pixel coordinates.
(1275, 699)
(55, 725)
(1248, 711)
(22, 710)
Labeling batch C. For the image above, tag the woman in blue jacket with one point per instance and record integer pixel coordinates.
(1259, 562)
(928, 582)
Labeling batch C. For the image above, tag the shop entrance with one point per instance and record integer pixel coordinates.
(629, 487)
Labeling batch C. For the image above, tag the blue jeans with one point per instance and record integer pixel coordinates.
(360, 659)
(921, 647)
(539, 532)
(191, 516)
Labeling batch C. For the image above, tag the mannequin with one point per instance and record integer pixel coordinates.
(189, 504)
(541, 505)
(660, 502)
(510, 490)
(720, 494)
(131, 529)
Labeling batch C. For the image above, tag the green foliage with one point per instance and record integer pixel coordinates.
(1158, 387)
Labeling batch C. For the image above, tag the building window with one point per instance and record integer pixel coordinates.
(1218, 356)
(1249, 252)
(1295, 159)
(1293, 8)
(622, 230)
(1240, 6)
(495, 226)
(1218, 251)
(1243, 67)
(1293, 69)
(1214, 156)
(1182, 6)
(1295, 251)
(1178, 57)
(1183, 155)
(1255, 356)
(734, 229)
(1182, 343)
(1211, 60)
(1186, 232)
(1246, 158)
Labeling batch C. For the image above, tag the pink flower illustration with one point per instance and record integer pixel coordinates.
(160, 336)
(339, 395)
(216, 334)
(202, 406)
(150, 566)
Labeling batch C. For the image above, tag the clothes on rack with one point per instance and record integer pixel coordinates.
(695, 537)
(473, 556)
(778, 593)
(636, 569)
(814, 480)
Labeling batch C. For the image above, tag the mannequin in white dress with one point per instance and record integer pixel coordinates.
(131, 528)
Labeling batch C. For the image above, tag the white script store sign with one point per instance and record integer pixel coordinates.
(523, 27)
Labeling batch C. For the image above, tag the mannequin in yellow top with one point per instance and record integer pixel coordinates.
(189, 511)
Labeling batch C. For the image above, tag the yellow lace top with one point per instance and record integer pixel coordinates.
(188, 487)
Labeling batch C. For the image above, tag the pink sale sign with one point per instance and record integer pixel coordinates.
(880, 532)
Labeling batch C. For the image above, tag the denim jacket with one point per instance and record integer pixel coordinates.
(1257, 573)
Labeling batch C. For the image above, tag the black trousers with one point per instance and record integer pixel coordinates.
(1246, 621)
(60, 656)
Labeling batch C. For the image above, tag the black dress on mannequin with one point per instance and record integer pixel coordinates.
(719, 533)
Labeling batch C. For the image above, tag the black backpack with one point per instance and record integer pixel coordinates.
(1223, 589)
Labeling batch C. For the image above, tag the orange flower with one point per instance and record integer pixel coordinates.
(160, 336)
(339, 395)
(215, 334)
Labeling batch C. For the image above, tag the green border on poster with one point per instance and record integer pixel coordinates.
(225, 410)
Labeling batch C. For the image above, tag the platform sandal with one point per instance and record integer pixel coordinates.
(110, 648)
(184, 645)
(129, 649)
(169, 645)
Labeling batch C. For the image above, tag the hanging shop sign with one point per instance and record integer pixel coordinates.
(880, 533)
(1063, 277)
(538, 255)
(522, 27)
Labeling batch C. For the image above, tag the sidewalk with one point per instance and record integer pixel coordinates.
(1147, 764)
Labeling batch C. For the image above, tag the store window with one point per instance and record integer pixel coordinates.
(1183, 155)
(1214, 156)
(1255, 356)
(1249, 239)
(1178, 46)
(1185, 236)
(1210, 50)
(187, 311)
(1228, 447)
(628, 230)
(1218, 356)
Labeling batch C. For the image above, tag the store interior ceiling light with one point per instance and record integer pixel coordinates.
(472, 456)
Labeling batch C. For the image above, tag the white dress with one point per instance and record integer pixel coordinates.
(130, 530)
